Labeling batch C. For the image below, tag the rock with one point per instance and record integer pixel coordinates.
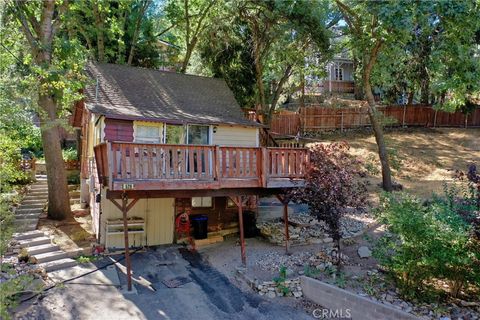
(271, 294)
(297, 294)
(327, 240)
(364, 252)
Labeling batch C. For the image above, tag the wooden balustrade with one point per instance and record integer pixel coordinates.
(186, 166)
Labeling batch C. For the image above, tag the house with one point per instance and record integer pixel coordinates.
(159, 144)
(339, 79)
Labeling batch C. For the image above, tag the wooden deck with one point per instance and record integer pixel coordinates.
(134, 166)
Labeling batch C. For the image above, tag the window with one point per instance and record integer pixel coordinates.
(174, 134)
(198, 134)
(339, 74)
(202, 202)
(148, 133)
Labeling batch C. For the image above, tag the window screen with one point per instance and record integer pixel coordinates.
(202, 202)
(147, 134)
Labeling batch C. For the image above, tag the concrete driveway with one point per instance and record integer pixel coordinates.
(204, 294)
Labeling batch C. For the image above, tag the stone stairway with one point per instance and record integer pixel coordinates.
(47, 255)
(26, 215)
(38, 245)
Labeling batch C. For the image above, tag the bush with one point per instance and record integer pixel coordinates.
(425, 243)
(10, 157)
(331, 186)
(69, 154)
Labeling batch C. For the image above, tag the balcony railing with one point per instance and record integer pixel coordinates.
(175, 167)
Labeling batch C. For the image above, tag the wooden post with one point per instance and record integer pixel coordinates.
(285, 218)
(239, 203)
(125, 207)
(125, 233)
(341, 125)
(404, 112)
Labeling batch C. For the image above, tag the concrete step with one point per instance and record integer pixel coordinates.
(38, 193)
(24, 225)
(28, 235)
(35, 242)
(35, 197)
(33, 201)
(21, 211)
(42, 249)
(74, 194)
(27, 208)
(50, 256)
(58, 264)
(27, 215)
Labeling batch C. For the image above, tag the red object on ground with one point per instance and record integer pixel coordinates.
(182, 227)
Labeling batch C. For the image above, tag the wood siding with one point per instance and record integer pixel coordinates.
(235, 136)
(118, 130)
(158, 214)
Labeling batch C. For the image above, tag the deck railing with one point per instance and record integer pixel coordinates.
(166, 166)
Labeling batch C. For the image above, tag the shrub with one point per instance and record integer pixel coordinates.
(427, 242)
(69, 154)
(331, 186)
(10, 157)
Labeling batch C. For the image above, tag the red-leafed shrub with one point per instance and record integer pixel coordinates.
(332, 185)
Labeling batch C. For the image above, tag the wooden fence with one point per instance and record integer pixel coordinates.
(318, 118)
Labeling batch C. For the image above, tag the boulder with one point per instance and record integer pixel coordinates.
(364, 252)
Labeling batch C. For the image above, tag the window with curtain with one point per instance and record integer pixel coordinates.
(198, 134)
(148, 134)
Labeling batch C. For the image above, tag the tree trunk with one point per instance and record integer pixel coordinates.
(425, 88)
(100, 36)
(136, 32)
(58, 197)
(357, 85)
(188, 55)
(374, 119)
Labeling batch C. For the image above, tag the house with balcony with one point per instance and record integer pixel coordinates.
(156, 145)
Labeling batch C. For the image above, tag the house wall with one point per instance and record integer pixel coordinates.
(236, 136)
(219, 215)
(347, 71)
(118, 130)
(158, 214)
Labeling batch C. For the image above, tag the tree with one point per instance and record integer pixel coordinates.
(439, 59)
(372, 25)
(331, 186)
(191, 18)
(116, 31)
(55, 71)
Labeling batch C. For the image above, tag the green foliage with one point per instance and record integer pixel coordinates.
(6, 225)
(340, 280)
(9, 291)
(10, 157)
(425, 243)
(280, 280)
(86, 259)
(69, 154)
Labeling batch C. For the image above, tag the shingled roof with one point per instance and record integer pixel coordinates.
(133, 93)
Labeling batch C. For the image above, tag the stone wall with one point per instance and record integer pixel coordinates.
(344, 302)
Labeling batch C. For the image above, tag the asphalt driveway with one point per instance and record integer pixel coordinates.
(170, 283)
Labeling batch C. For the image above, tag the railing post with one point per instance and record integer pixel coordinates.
(264, 167)
(109, 165)
(216, 163)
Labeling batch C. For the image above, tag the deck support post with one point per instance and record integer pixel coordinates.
(284, 200)
(239, 202)
(125, 207)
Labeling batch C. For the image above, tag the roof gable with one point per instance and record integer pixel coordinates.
(133, 93)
